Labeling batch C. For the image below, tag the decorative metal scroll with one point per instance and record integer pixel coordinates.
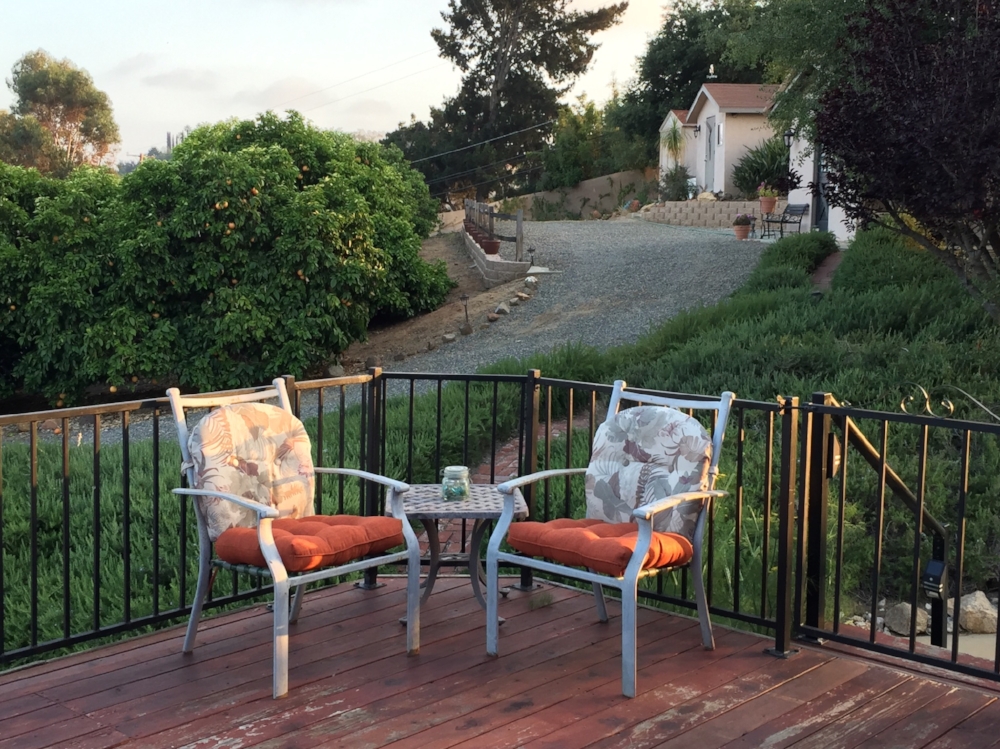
(923, 402)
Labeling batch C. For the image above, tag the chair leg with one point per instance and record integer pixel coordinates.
(413, 601)
(629, 596)
(300, 591)
(602, 609)
(206, 574)
(280, 638)
(707, 638)
(492, 604)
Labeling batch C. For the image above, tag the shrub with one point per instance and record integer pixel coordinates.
(263, 246)
(768, 164)
(674, 184)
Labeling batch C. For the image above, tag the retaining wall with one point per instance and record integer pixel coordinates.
(495, 269)
(716, 214)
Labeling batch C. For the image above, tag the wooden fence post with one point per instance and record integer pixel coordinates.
(519, 236)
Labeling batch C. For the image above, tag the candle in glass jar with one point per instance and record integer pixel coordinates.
(455, 485)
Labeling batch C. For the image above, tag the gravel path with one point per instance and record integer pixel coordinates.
(611, 281)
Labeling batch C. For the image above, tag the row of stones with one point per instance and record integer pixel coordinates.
(977, 615)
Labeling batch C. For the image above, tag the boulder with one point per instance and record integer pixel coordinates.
(335, 370)
(977, 615)
(466, 329)
(513, 301)
(897, 619)
(502, 309)
(522, 296)
(706, 196)
(449, 338)
(531, 282)
(492, 317)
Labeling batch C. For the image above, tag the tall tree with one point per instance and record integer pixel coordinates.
(912, 131)
(61, 99)
(675, 64)
(518, 57)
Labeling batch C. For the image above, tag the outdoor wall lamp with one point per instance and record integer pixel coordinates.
(789, 137)
(934, 579)
(697, 129)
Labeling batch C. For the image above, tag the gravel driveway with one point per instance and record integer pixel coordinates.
(611, 281)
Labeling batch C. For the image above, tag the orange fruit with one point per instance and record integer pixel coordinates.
(113, 389)
(232, 225)
(253, 190)
(134, 378)
(13, 307)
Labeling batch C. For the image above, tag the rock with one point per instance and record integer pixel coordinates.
(531, 282)
(372, 361)
(502, 309)
(897, 619)
(491, 317)
(431, 345)
(706, 196)
(595, 213)
(335, 370)
(522, 296)
(398, 357)
(513, 301)
(449, 338)
(51, 424)
(24, 426)
(977, 614)
(466, 329)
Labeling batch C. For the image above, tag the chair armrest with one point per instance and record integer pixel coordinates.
(508, 487)
(647, 511)
(262, 511)
(399, 486)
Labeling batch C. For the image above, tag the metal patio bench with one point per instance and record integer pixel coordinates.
(791, 216)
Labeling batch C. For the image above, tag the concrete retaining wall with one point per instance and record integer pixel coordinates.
(494, 268)
(716, 214)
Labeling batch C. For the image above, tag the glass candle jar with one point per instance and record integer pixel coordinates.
(455, 485)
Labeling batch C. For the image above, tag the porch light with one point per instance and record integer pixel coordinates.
(788, 138)
(697, 129)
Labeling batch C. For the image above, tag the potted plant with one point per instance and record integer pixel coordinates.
(768, 197)
(741, 225)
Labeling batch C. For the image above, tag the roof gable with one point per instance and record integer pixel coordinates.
(745, 98)
(679, 114)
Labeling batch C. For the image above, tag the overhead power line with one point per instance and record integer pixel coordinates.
(489, 140)
(373, 88)
(356, 78)
(489, 181)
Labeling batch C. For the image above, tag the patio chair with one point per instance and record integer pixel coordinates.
(791, 216)
(249, 467)
(649, 487)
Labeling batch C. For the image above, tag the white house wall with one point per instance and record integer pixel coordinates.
(741, 133)
(803, 161)
(689, 154)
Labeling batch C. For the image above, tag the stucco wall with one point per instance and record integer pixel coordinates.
(742, 132)
(688, 155)
(601, 193)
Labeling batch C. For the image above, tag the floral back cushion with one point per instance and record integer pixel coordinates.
(646, 453)
(252, 450)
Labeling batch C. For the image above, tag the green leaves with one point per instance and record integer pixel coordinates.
(262, 247)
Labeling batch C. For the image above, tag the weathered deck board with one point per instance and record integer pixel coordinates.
(555, 684)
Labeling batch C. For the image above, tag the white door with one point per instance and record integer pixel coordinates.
(710, 154)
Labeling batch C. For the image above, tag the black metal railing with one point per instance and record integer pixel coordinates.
(94, 545)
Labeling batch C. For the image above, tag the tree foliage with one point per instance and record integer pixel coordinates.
(912, 131)
(675, 64)
(262, 247)
(517, 58)
(59, 120)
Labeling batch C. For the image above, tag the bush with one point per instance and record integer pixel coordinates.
(767, 163)
(675, 185)
(262, 247)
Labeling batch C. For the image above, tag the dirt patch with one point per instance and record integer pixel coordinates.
(399, 341)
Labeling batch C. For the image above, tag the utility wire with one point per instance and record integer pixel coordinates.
(490, 140)
(512, 159)
(381, 85)
(357, 77)
(489, 181)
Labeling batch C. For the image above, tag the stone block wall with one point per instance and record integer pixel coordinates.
(495, 269)
(713, 214)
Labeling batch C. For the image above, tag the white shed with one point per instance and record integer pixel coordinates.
(727, 120)
(688, 154)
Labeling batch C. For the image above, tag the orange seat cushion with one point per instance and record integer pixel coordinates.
(603, 547)
(313, 542)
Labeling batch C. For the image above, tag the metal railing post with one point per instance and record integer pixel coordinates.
(489, 213)
(529, 459)
(369, 494)
(817, 505)
(786, 528)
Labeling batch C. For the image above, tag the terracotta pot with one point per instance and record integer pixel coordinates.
(490, 246)
(742, 231)
(767, 204)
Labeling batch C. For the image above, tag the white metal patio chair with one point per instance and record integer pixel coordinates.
(649, 487)
(249, 466)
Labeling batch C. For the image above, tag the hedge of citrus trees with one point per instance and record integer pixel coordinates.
(262, 247)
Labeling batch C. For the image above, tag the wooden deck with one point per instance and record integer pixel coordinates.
(556, 684)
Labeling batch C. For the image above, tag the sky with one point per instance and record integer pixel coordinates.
(350, 65)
